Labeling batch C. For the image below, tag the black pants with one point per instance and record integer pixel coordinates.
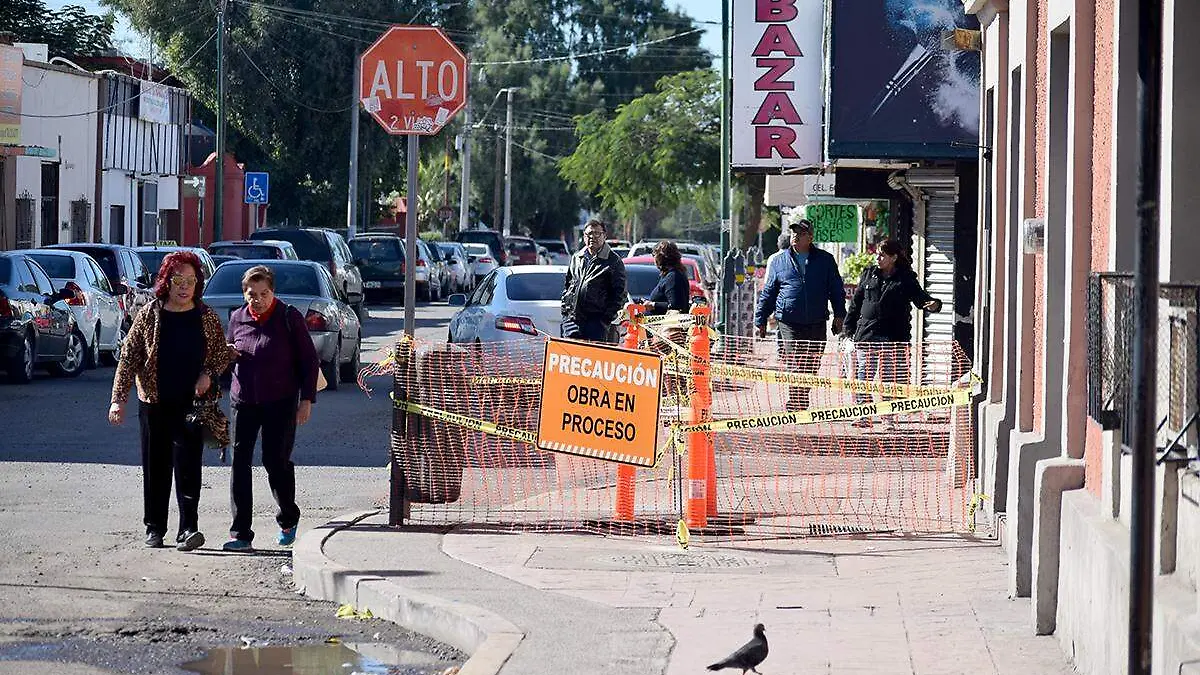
(277, 421)
(169, 448)
(800, 347)
(591, 328)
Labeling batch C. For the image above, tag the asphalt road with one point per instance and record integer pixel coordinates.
(78, 586)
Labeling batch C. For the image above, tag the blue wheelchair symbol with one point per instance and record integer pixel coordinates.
(257, 187)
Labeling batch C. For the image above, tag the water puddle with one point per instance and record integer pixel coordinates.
(339, 659)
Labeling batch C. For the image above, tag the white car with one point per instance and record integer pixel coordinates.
(559, 253)
(153, 255)
(482, 260)
(511, 303)
(96, 308)
(462, 278)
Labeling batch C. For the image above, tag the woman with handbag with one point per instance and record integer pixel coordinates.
(175, 351)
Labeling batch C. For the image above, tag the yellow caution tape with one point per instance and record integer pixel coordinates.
(836, 414)
(746, 373)
(669, 319)
(976, 502)
(471, 423)
(506, 380)
(682, 535)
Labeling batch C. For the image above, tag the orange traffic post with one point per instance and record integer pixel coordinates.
(625, 472)
(701, 481)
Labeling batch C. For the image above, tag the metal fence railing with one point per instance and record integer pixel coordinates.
(1111, 341)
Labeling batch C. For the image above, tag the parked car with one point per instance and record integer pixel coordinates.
(262, 249)
(521, 251)
(95, 307)
(695, 280)
(613, 243)
(222, 259)
(329, 249)
(619, 251)
(457, 261)
(428, 276)
(440, 267)
(381, 262)
(510, 303)
(492, 238)
(127, 275)
(152, 256)
(309, 287)
(36, 327)
(559, 253)
(482, 261)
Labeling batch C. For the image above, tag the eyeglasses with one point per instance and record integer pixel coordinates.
(182, 281)
(593, 234)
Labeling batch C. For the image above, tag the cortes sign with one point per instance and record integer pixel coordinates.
(777, 75)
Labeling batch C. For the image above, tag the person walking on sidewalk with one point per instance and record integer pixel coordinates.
(801, 286)
(594, 292)
(176, 352)
(879, 314)
(274, 388)
(672, 291)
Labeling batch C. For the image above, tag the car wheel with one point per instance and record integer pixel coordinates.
(20, 366)
(112, 357)
(93, 350)
(349, 370)
(73, 361)
(360, 310)
(330, 369)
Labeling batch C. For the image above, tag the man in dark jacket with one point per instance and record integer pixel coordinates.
(594, 291)
(802, 283)
(274, 387)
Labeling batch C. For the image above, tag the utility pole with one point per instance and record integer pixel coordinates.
(352, 190)
(726, 114)
(464, 201)
(498, 186)
(508, 125)
(219, 192)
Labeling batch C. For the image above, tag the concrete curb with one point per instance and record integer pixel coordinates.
(487, 638)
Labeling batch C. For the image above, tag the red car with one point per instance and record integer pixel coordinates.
(521, 250)
(693, 268)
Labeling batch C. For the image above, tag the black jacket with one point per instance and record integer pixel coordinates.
(879, 310)
(672, 292)
(595, 289)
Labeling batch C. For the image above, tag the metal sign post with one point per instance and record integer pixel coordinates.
(410, 238)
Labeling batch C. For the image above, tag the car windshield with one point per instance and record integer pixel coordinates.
(382, 250)
(106, 257)
(478, 250)
(554, 246)
(152, 260)
(620, 252)
(479, 237)
(537, 286)
(447, 250)
(56, 266)
(640, 280)
(289, 280)
(247, 252)
(522, 245)
(308, 245)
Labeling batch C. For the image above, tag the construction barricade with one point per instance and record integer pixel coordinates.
(754, 438)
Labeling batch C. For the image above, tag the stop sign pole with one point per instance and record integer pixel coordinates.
(412, 80)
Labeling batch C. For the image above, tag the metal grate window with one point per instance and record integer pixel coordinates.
(25, 220)
(81, 215)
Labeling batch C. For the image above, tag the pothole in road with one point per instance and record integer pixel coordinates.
(328, 658)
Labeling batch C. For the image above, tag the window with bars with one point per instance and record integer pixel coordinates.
(26, 217)
(81, 215)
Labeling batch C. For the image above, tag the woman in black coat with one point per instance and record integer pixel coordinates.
(672, 291)
(879, 313)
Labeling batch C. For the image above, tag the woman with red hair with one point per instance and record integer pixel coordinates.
(176, 353)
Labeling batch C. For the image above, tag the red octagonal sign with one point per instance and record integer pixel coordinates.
(413, 80)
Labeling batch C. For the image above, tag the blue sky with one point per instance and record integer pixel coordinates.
(701, 10)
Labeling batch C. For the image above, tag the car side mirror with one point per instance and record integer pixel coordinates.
(457, 300)
(119, 289)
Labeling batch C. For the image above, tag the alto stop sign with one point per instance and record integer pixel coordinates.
(413, 80)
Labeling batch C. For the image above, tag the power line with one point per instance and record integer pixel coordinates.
(286, 94)
(120, 103)
(568, 57)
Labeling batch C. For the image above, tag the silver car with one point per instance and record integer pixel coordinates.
(96, 308)
(307, 286)
(481, 259)
(511, 303)
(153, 255)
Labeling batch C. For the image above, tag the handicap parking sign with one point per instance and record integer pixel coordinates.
(257, 187)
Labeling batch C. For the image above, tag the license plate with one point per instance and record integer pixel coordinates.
(371, 284)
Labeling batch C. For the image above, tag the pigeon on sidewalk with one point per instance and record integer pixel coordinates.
(749, 656)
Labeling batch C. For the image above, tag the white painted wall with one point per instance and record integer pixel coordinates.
(52, 90)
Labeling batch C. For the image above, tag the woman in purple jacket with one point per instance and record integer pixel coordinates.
(274, 387)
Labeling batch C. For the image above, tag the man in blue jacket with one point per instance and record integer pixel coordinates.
(802, 283)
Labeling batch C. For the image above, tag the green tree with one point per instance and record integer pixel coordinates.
(659, 150)
(70, 31)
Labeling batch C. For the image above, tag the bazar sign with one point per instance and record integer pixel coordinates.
(12, 60)
(777, 75)
(600, 401)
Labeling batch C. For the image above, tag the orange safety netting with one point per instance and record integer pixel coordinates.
(466, 417)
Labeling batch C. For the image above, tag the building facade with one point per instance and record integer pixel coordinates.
(1058, 225)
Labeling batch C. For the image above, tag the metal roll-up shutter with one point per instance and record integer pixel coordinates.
(934, 253)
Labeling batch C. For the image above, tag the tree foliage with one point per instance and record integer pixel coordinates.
(658, 151)
(70, 31)
(289, 88)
